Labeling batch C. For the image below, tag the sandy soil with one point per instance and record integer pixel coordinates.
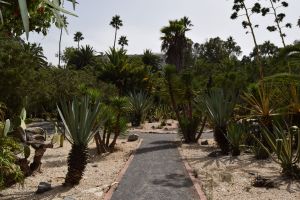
(229, 178)
(100, 173)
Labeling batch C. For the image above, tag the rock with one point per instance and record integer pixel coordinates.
(69, 198)
(205, 142)
(166, 129)
(133, 137)
(226, 177)
(43, 187)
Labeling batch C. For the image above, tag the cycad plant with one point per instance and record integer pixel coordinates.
(138, 106)
(220, 109)
(79, 117)
(280, 141)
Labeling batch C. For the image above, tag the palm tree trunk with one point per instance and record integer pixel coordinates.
(77, 161)
(78, 45)
(117, 132)
(59, 48)
(115, 38)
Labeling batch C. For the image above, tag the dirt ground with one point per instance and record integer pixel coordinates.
(229, 178)
(100, 173)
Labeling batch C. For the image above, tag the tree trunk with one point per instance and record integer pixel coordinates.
(220, 138)
(77, 161)
(59, 48)
(115, 38)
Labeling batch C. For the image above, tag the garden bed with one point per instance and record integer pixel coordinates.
(100, 173)
(229, 178)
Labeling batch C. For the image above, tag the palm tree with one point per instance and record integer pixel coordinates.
(79, 117)
(77, 38)
(123, 41)
(116, 23)
(116, 70)
(37, 54)
(83, 57)
(61, 26)
(174, 41)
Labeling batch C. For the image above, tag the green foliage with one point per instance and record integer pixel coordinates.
(42, 14)
(219, 108)
(281, 143)
(138, 107)
(9, 172)
(79, 118)
(236, 136)
(175, 43)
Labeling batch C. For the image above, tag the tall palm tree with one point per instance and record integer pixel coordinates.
(77, 38)
(174, 41)
(123, 41)
(61, 26)
(116, 23)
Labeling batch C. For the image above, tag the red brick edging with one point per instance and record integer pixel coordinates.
(108, 195)
(196, 182)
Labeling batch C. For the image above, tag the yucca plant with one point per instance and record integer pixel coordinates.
(138, 106)
(280, 141)
(236, 137)
(219, 108)
(260, 106)
(79, 117)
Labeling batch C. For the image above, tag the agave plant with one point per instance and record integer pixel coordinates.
(236, 137)
(138, 106)
(281, 143)
(220, 109)
(79, 117)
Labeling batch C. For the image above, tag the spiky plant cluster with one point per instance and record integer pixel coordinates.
(220, 109)
(79, 117)
(139, 105)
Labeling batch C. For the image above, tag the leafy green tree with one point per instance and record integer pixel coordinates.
(174, 41)
(151, 60)
(278, 17)
(37, 54)
(267, 50)
(83, 57)
(123, 41)
(77, 38)
(216, 50)
(116, 23)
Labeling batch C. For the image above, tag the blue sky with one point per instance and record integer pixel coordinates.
(143, 20)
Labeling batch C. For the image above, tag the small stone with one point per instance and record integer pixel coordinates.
(205, 142)
(133, 137)
(166, 129)
(94, 165)
(69, 198)
(226, 177)
(43, 187)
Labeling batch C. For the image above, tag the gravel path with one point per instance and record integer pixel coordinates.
(156, 173)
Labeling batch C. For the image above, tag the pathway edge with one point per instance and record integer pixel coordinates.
(109, 193)
(196, 182)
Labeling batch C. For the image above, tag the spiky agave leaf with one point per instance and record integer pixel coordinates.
(79, 117)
